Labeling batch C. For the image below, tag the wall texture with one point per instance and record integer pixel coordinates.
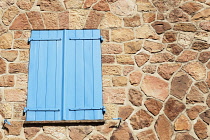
(155, 58)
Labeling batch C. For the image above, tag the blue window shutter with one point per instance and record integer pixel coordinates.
(82, 73)
(45, 76)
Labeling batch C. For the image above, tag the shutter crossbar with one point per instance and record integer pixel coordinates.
(44, 39)
(41, 109)
(92, 108)
(85, 38)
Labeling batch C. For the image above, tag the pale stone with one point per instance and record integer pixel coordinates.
(15, 95)
(30, 132)
(107, 81)
(200, 129)
(7, 81)
(201, 36)
(185, 39)
(149, 69)
(4, 4)
(2, 66)
(123, 8)
(10, 14)
(119, 81)
(147, 33)
(153, 47)
(43, 136)
(24, 56)
(173, 108)
(125, 59)
(122, 34)
(132, 47)
(127, 70)
(194, 96)
(147, 135)
(56, 131)
(21, 44)
(21, 81)
(73, 4)
(133, 21)
(182, 123)
(155, 87)
(89, 3)
(107, 127)
(114, 95)
(3, 29)
(111, 112)
(77, 18)
(135, 97)
(149, 17)
(49, 5)
(50, 20)
(79, 132)
(202, 15)
(196, 70)
(187, 56)
(145, 5)
(9, 55)
(205, 25)
(163, 128)
(97, 137)
(6, 110)
(20, 23)
(162, 57)
(18, 111)
(165, 5)
(6, 41)
(111, 70)
(140, 120)
(185, 27)
(135, 78)
(167, 70)
(110, 21)
(105, 35)
(141, 58)
(108, 48)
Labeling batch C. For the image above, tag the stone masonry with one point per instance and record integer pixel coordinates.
(156, 67)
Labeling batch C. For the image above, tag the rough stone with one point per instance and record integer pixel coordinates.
(111, 48)
(107, 81)
(105, 34)
(149, 69)
(107, 127)
(155, 87)
(35, 19)
(145, 6)
(182, 123)
(180, 85)
(191, 7)
(173, 108)
(119, 81)
(97, 137)
(133, 21)
(1, 135)
(153, 47)
(160, 16)
(7, 81)
(6, 110)
(15, 95)
(51, 5)
(21, 44)
(30, 132)
(2, 66)
(201, 35)
(208, 79)
(18, 111)
(24, 55)
(93, 20)
(108, 59)
(20, 23)
(3, 29)
(122, 34)
(10, 14)
(123, 132)
(187, 56)
(110, 21)
(163, 128)
(184, 136)
(140, 120)
(50, 20)
(147, 135)
(43, 137)
(177, 15)
(205, 116)
(208, 101)
(77, 18)
(135, 78)
(200, 129)
(160, 26)
(169, 37)
(125, 112)
(167, 70)
(125, 59)
(6, 41)
(73, 4)
(205, 25)
(111, 112)
(185, 27)
(4, 4)
(127, 70)
(135, 97)
(202, 86)
(196, 70)
(162, 57)
(202, 15)
(89, 3)
(204, 56)
(14, 128)
(165, 5)
(111, 70)
(114, 95)
(141, 58)
(174, 49)
(9, 55)
(63, 20)
(24, 4)
(79, 132)
(149, 17)
(153, 106)
(18, 68)
(102, 5)
(132, 47)
(185, 39)
(58, 132)
(123, 8)
(147, 34)
(208, 65)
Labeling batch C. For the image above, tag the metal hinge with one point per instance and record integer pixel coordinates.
(44, 39)
(41, 109)
(92, 108)
(85, 38)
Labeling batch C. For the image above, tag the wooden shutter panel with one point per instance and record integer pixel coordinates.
(82, 75)
(45, 76)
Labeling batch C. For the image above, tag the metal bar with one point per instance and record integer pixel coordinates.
(41, 109)
(75, 38)
(75, 109)
(44, 39)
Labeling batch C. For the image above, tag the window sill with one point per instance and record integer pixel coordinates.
(67, 122)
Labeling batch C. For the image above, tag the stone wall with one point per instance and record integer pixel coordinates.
(155, 69)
